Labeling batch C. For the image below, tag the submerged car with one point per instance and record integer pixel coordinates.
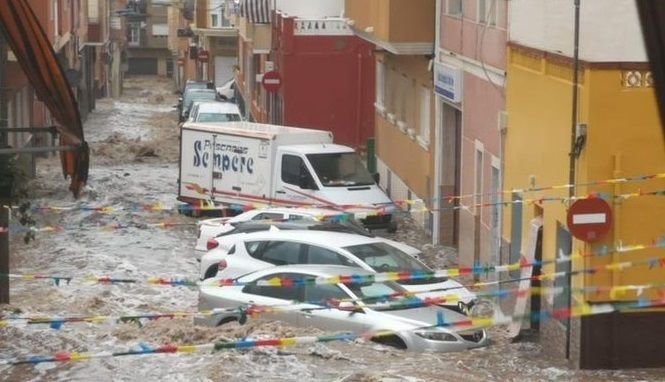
(261, 250)
(362, 308)
(210, 228)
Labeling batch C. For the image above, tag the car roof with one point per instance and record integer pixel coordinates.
(309, 225)
(218, 107)
(317, 270)
(323, 238)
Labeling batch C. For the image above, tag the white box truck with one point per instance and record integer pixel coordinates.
(244, 163)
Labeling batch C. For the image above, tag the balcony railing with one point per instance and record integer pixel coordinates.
(321, 27)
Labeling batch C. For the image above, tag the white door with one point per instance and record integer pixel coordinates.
(224, 69)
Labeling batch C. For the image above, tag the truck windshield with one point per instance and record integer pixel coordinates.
(340, 170)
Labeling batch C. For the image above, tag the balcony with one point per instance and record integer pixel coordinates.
(398, 26)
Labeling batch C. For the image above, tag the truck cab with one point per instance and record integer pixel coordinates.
(332, 175)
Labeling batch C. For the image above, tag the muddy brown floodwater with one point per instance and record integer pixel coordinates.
(134, 143)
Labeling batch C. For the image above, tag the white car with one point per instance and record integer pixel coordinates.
(371, 307)
(208, 229)
(260, 250)
(214, 112)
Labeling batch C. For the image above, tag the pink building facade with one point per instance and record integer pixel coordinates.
(469, 79)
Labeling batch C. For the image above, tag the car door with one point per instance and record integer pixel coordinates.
(286, 300)
(331, 319)
(280, 252)
(294, 181)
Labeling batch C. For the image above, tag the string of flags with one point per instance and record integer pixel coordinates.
(415, 205)
(477, 270)
(450, 199)
(380, 302)
(580, 310)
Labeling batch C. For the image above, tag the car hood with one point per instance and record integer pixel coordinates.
(423, 317)
(448, 287)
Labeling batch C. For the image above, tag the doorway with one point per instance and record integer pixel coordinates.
(451, 128)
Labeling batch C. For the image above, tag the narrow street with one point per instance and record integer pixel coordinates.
(134, 153)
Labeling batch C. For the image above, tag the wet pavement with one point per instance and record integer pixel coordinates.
(134, 142)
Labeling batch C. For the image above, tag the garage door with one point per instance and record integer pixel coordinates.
(224, 69)
(140, 65)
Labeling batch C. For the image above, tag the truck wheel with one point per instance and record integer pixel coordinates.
(392, 228)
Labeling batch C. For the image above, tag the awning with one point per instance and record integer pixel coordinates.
(37, 59)
(256, 11)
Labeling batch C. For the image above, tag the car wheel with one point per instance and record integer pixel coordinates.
(211, 272)
(392, 228)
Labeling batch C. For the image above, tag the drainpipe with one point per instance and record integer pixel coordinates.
(4, 212)
(571, 171)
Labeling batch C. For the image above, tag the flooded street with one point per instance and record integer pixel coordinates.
(134, 154)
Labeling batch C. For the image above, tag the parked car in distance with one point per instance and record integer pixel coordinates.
(210, 228)
(214, 112)
(227, 90)
(261, 250)
(190, 84)
(192, 95)
(414, 328)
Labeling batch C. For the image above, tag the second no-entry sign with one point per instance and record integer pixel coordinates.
(272, 81)
(589, 219)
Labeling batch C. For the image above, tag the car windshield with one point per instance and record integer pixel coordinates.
(383, 257)
(387, 292)
(340, 169)
(217, 117)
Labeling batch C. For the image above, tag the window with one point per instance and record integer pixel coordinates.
(214, 20)
(285, 293)
(340, 169)
(380, 83)
(280, 253)
(268, 216)
(384, 257)
(487, 10)
(455, 7)
(316, 293)
(318, 255)
(252, 248)
(425, 111)
(134, 34)
(295, 172)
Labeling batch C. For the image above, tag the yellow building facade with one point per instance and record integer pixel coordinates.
(617, 106)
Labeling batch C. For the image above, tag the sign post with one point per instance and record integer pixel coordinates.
(271, 81)
(590, 219)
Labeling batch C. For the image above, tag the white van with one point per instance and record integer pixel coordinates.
(251, 164)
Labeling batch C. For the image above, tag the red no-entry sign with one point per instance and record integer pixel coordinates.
(589, 219)
(272, 81)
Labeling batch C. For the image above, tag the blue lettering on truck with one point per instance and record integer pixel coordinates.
(226, 157)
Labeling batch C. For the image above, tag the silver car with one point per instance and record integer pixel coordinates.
(244, 253)
(416, 328)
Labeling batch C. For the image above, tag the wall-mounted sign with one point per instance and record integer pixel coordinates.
(448, 82)
(589, 219)
(203, 55)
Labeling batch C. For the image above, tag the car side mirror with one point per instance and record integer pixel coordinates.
(377, 177)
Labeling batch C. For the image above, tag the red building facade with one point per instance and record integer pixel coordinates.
(328, 78)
